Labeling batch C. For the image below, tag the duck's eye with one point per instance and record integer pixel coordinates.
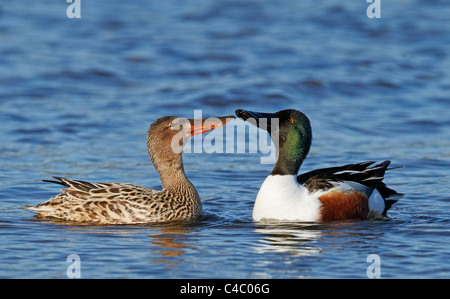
(291, 120)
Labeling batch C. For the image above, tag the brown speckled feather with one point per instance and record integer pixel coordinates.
(118, 203)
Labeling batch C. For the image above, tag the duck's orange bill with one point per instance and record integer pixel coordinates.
(200, 126)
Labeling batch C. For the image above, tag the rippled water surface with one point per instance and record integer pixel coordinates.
(77, 97)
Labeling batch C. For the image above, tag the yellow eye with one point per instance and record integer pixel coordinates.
(291, 120)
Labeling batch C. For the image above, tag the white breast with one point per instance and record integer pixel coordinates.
(282, 198)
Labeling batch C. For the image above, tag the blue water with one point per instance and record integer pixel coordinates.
(77, 97)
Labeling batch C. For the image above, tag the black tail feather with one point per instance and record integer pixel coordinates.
(59, 181)
(387, 192)
(388, 205)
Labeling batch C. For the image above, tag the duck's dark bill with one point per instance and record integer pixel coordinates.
(257, 117)
(200, 126)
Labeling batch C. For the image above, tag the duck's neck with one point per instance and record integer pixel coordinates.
(291, 154)
(170, 168)
(172, 174)
(287, 166)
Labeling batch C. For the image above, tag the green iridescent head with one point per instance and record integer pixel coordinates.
(290, 131)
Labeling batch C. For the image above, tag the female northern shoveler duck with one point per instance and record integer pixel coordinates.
(117, 203)
(353, 191)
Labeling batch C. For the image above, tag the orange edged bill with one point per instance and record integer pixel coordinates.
(200, 126)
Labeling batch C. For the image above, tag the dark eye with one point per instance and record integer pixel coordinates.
(292, 121)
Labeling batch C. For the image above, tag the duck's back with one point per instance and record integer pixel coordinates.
(117, 203)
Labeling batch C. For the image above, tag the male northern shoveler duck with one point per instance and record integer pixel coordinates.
(118, 203)
(352, 191)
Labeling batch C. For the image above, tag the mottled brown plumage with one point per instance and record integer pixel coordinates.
(119, 203)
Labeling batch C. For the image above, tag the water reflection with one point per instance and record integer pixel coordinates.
(297, 239)
(168, 239)
(156, 246)
(171, 242)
